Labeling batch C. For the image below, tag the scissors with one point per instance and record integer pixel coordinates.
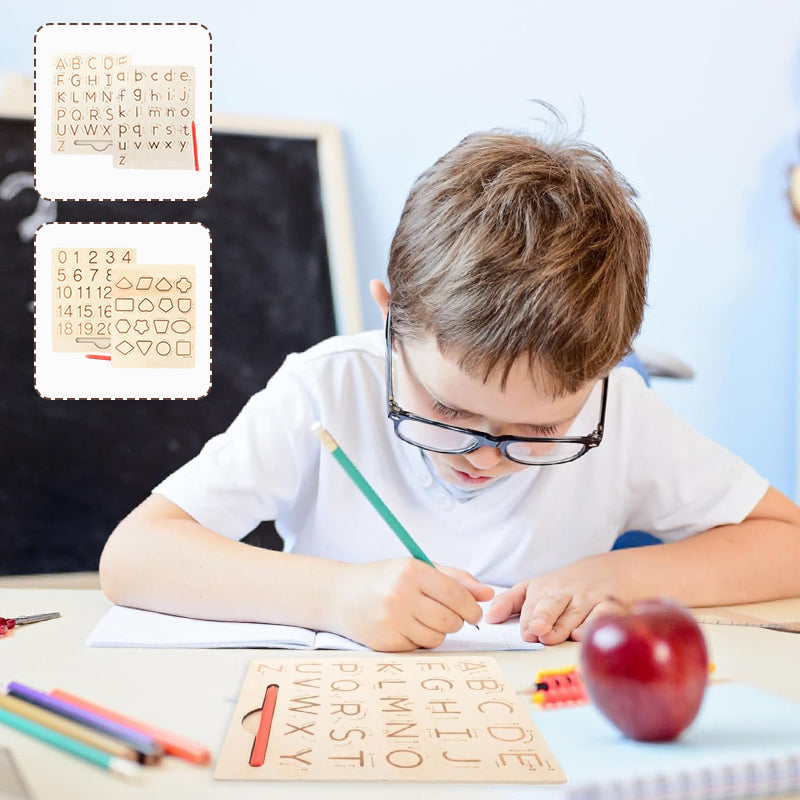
(7, 624)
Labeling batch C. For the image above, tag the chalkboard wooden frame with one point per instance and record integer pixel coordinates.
(56, 544)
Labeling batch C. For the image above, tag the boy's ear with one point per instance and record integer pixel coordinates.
(380, 294)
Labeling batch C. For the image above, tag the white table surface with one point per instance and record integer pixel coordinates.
(193, 692)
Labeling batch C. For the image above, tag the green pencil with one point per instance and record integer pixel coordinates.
(120, 766)
(332, 446)
(360, 481)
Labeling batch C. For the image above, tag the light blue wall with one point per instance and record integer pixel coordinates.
(697, 103)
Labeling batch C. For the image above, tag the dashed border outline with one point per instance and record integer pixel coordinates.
(210, 113)
(210, 308)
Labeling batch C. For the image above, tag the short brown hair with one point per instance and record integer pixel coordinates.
(513, 246)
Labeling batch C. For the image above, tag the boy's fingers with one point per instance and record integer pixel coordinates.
(506, 604)
(405, 641)
(480, 591)
(421, 634)
(572, 617)
(448, 591)
(435, 615)
(606, 606)
(539, 614)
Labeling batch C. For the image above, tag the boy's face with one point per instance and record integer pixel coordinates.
(432, 386)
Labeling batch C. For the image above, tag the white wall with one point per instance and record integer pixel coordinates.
(698, 104)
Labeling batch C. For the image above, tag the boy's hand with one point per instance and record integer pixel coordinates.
(403, 604)
(556, 606)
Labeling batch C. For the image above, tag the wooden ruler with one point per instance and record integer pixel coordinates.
(737, 618)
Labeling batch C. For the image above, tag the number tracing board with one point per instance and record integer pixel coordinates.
(142, 315)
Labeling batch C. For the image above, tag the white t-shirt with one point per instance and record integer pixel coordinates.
(652, 472)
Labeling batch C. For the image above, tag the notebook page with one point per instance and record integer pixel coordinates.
(132, 627)
(503, 636)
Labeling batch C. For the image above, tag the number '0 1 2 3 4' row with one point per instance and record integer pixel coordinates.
(94, 257)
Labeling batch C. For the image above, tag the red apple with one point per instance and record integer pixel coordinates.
(646, 668)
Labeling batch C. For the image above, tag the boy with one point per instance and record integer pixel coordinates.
(514, 452)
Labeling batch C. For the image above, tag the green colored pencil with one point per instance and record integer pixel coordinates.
(390, 519)
(332, 446)
(120, 766)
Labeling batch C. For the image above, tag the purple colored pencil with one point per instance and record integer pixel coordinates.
(139, 741)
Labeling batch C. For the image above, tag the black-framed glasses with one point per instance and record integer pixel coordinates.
(443, 438)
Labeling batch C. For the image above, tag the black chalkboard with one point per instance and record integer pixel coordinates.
(71, 469)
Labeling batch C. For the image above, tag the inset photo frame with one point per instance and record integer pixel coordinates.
(122, 311)
(122, 111)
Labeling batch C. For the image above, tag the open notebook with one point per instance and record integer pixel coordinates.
(131, 627)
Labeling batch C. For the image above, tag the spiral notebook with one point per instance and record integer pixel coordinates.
(744, 743)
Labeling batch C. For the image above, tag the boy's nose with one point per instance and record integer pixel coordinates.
(484, 457)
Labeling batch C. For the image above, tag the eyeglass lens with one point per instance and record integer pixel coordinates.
(432, 437)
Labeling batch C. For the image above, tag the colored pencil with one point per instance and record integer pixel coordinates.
(173, 744)
(73, 730)
(119, 766)
(141, 742)
(332, 446)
